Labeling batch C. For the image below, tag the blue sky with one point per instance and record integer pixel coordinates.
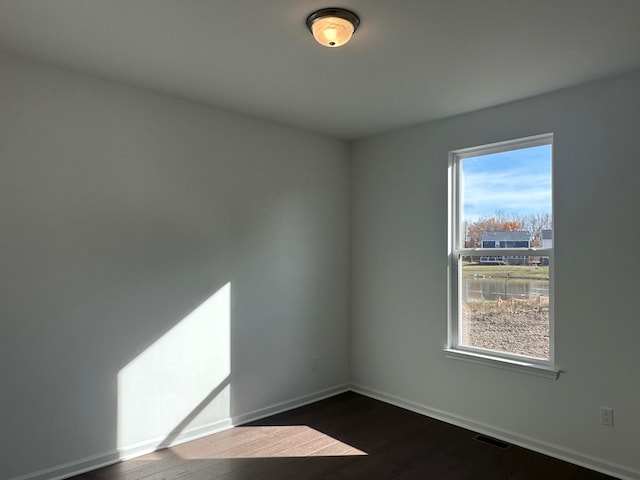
(517, 181)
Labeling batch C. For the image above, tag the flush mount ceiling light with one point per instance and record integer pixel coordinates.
(332, 27)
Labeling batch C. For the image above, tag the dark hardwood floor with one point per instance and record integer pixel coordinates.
(348, 436)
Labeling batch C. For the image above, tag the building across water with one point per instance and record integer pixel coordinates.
(516, 239)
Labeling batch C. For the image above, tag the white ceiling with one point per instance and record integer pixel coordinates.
(410, 61)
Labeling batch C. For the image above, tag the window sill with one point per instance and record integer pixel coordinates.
(545, 371)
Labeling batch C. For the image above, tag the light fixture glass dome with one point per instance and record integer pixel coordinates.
(332, 27)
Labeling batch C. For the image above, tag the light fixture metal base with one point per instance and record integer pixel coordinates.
(334, 12)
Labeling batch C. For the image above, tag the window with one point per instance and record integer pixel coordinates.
(501, 255)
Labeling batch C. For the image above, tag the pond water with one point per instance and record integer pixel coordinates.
(505, 288)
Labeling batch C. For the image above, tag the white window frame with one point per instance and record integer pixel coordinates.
(520, 363)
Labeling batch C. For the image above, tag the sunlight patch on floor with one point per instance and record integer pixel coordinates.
(266, 442)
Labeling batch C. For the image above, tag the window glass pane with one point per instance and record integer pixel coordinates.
(507, 192)
(504, 305)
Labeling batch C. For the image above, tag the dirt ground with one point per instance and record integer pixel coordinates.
(524, 332)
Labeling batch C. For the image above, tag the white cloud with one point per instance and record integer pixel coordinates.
(516, 190)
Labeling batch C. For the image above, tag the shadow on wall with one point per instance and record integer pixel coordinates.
(181, 384)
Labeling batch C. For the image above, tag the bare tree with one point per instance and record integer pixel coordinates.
(473, 231)
(501, 221)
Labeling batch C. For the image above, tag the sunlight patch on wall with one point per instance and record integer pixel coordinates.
(180, 384)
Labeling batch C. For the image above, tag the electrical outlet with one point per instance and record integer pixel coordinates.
(606, 416)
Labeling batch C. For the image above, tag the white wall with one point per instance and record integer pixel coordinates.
(122, 212)
(399, 245)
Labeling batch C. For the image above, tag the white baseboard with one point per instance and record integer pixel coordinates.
(143, 448)
(546, 448)
(290, 404)
(70, 469)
